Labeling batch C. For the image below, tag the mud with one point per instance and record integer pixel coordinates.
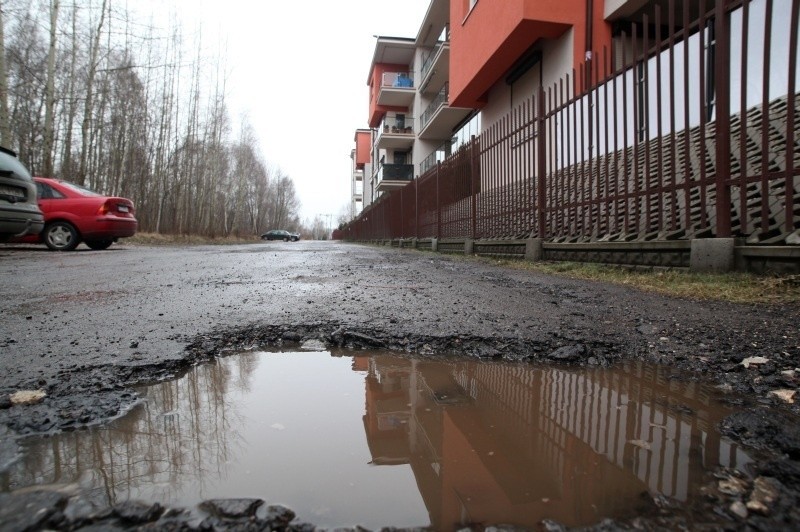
(86, 327)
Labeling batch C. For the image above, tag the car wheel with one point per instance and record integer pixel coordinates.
(285, 239)
(61, 236)
(99, 244)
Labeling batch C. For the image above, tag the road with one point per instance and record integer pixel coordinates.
(84, 326)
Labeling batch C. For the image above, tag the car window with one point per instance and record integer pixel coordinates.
(10, 165)
(45, 191)
(79, 189)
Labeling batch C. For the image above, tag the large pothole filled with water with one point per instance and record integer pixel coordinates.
(376, 439)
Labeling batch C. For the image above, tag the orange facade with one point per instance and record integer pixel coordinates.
(377, 112)
(487, 40)
(363, 148)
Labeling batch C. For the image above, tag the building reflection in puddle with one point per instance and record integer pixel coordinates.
(448, 442)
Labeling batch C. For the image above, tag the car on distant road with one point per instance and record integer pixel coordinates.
(280, 234)
(75, 214)
(19, 212)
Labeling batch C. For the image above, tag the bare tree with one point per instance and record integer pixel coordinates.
(5, 129)
(94, 54)
(50, 98)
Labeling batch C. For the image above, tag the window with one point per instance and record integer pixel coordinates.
(47, 192)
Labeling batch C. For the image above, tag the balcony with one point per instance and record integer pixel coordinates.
(395, 132)
(392, 176)
(396, 90)
(435, 69)
(439, 119)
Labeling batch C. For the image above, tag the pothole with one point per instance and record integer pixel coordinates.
(377, 439)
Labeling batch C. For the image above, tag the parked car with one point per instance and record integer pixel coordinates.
(19, 213)
(280, 234)
(75, 214)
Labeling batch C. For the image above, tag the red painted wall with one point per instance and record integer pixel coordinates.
(363, 148)
(377, 112)
(487, 41)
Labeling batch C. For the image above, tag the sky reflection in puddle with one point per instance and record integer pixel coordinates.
(378, 440)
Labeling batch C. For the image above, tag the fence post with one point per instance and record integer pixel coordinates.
(723, 122)
(416, 208)
(473, 207)
(541, 166)
(438, 204)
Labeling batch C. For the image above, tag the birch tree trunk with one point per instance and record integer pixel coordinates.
(50, 96)
(5, 128)
(88, 102)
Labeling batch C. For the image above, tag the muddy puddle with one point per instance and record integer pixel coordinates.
(377, 440)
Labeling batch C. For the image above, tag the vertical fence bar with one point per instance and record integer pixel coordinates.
(765, 120)
(790, 118)
(703, 116)
(673, 172)
(645, 111)
(661, 181)
(541, 164)
(744, 222)
(723, 130)
(637, 110)
(438, 202)
(687, 172)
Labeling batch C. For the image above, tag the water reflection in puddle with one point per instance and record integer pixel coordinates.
(377, 440)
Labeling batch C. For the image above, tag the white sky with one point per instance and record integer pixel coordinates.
(298, 70)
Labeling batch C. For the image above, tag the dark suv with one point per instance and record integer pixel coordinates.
(19, 211)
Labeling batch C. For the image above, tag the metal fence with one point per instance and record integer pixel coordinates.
(684, 128)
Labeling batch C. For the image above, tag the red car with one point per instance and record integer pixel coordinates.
(75, 214)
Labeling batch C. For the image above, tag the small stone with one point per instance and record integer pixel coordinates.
(279, 516)
(27, 397)
(136, 512)
(754, 361)
(739, 509)
(732, 486)
(766, 491)
(787, 396)
(236, 508)
(757, 507)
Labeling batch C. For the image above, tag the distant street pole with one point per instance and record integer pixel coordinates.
(330, 232)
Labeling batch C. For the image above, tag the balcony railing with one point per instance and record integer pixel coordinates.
(397, 80)
(439, 155)
(403, 124)
(429, 60)
(395, 172)
(437, 102)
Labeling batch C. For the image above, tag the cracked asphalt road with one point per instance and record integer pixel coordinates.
(84, 326)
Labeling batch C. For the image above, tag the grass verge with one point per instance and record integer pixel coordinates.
(735, 287)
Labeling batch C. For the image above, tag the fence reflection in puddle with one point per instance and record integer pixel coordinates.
(448, 442)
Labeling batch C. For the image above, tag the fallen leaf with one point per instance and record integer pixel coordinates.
(640, 443)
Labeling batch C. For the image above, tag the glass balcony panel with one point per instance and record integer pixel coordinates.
(397, 80)
(437, 102)
(402, 124)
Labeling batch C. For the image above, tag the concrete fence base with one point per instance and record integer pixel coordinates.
(697, 255)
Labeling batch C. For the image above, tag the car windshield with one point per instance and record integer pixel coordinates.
(79, 189)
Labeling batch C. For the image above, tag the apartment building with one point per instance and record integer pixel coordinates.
(474, 63)
(470, 63)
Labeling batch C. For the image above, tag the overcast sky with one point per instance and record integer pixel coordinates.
(298, 70)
